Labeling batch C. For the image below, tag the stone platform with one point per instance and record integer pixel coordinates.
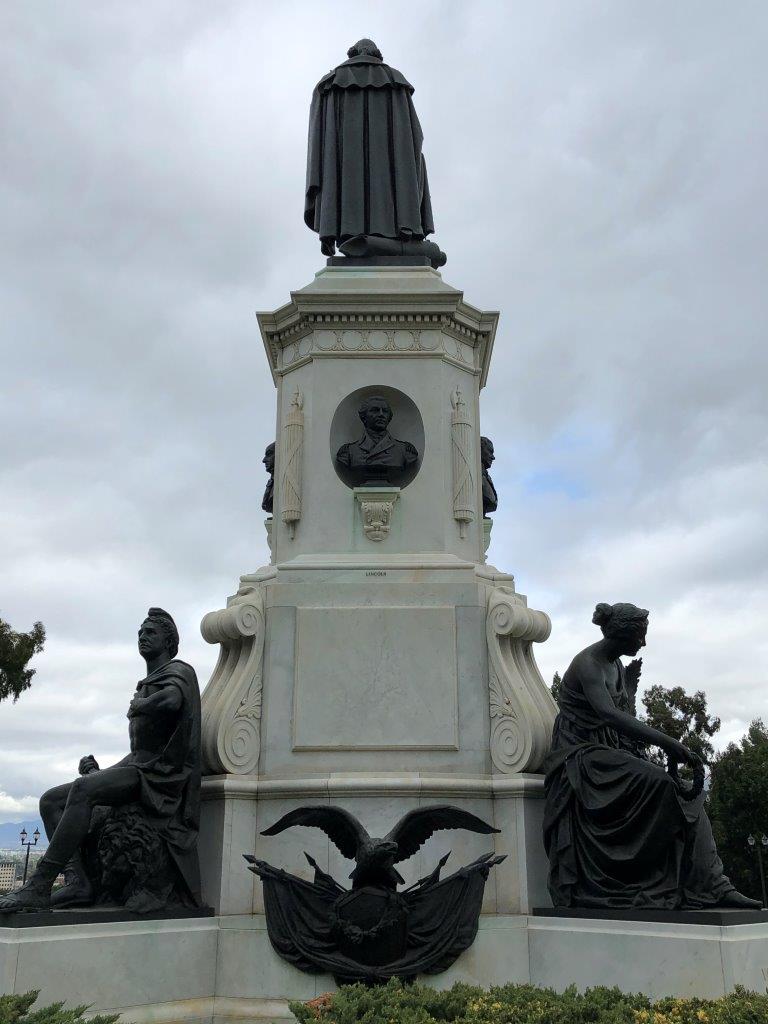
(221, 970)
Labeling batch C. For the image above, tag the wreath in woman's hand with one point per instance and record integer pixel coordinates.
(694, 790)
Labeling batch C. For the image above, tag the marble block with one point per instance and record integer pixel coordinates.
(373, 678)
(220, 970)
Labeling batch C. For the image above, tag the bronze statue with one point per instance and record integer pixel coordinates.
(367, 189)
(373, 931)
(128, 833)
(269, 491)
(619, 830)
(487, 458)
(377, 457)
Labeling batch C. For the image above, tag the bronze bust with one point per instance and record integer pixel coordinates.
(487, 457)
(377, 458)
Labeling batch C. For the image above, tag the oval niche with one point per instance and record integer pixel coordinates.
(384, 464)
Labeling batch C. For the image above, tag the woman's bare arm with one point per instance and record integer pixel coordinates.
(590, 676)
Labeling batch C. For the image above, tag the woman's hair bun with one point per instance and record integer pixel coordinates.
(603, 613)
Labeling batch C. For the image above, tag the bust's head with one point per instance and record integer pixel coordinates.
(158, 636)
(486, 452)
(624, 623)
(376, 413)
(364, 48)
(269, 458)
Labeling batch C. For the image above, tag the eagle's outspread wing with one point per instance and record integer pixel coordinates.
(341, 827)
(415, 828)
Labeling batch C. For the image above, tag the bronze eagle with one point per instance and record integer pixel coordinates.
(375, 858)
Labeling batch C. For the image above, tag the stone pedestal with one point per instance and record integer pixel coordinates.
(377, 662)
(237, 808)
(221, 970)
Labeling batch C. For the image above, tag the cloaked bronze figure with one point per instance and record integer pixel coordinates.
(619, 830)
(127, 834)
(367, 191)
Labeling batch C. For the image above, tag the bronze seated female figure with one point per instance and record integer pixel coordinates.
(619, 830)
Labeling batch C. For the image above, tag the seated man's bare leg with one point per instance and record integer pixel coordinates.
(112, 787)
(77, 890)
(52, 804)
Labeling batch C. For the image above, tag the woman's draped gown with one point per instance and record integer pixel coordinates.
(616, 829)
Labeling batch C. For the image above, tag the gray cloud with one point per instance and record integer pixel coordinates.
(597, 174)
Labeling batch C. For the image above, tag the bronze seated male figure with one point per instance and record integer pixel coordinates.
(128, 834)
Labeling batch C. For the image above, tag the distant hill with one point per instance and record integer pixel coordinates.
(9, 834)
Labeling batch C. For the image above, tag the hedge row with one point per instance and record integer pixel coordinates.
(395, 1003)
(18, 1010)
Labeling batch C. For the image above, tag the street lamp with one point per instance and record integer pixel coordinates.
(28, 842)
(752, 843)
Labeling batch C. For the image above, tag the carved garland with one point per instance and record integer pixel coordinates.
(231, 703)
(521, 707)
(463, 477)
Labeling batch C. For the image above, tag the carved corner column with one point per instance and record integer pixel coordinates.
(521, 706)
(463, 463)
(291, 458)
(231, 703)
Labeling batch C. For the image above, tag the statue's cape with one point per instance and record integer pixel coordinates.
(170, 780)
(364, 72)
(366, 174)
(442, 920)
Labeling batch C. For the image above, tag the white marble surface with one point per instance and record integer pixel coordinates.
(224, 969)
(237, 809)
(370, 678)
(381, 667)
(658, 959)
(335, 337)
(113, 966)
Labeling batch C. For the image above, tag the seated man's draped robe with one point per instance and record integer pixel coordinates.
(165, 748)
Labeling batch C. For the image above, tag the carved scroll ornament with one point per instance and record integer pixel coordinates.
(521, 706)
(231, 703)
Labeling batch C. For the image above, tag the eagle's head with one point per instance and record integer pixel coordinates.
(385, 851)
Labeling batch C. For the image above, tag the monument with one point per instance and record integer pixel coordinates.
(378, 669)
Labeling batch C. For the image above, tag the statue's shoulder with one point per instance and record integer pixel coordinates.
(179, 669)
(344, 454)
(411, 451)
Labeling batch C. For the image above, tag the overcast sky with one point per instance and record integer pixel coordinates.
(598, 173)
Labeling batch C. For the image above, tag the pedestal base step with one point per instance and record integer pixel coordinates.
(96, 915)
(720, 916)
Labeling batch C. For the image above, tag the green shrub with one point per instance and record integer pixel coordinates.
(396, 1003)
(18, 1010)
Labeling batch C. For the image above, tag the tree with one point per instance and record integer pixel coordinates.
(556, 686)
(16, 650)
(738, 806)
(683, 716)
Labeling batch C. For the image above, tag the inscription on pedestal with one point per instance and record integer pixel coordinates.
(375, 679)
